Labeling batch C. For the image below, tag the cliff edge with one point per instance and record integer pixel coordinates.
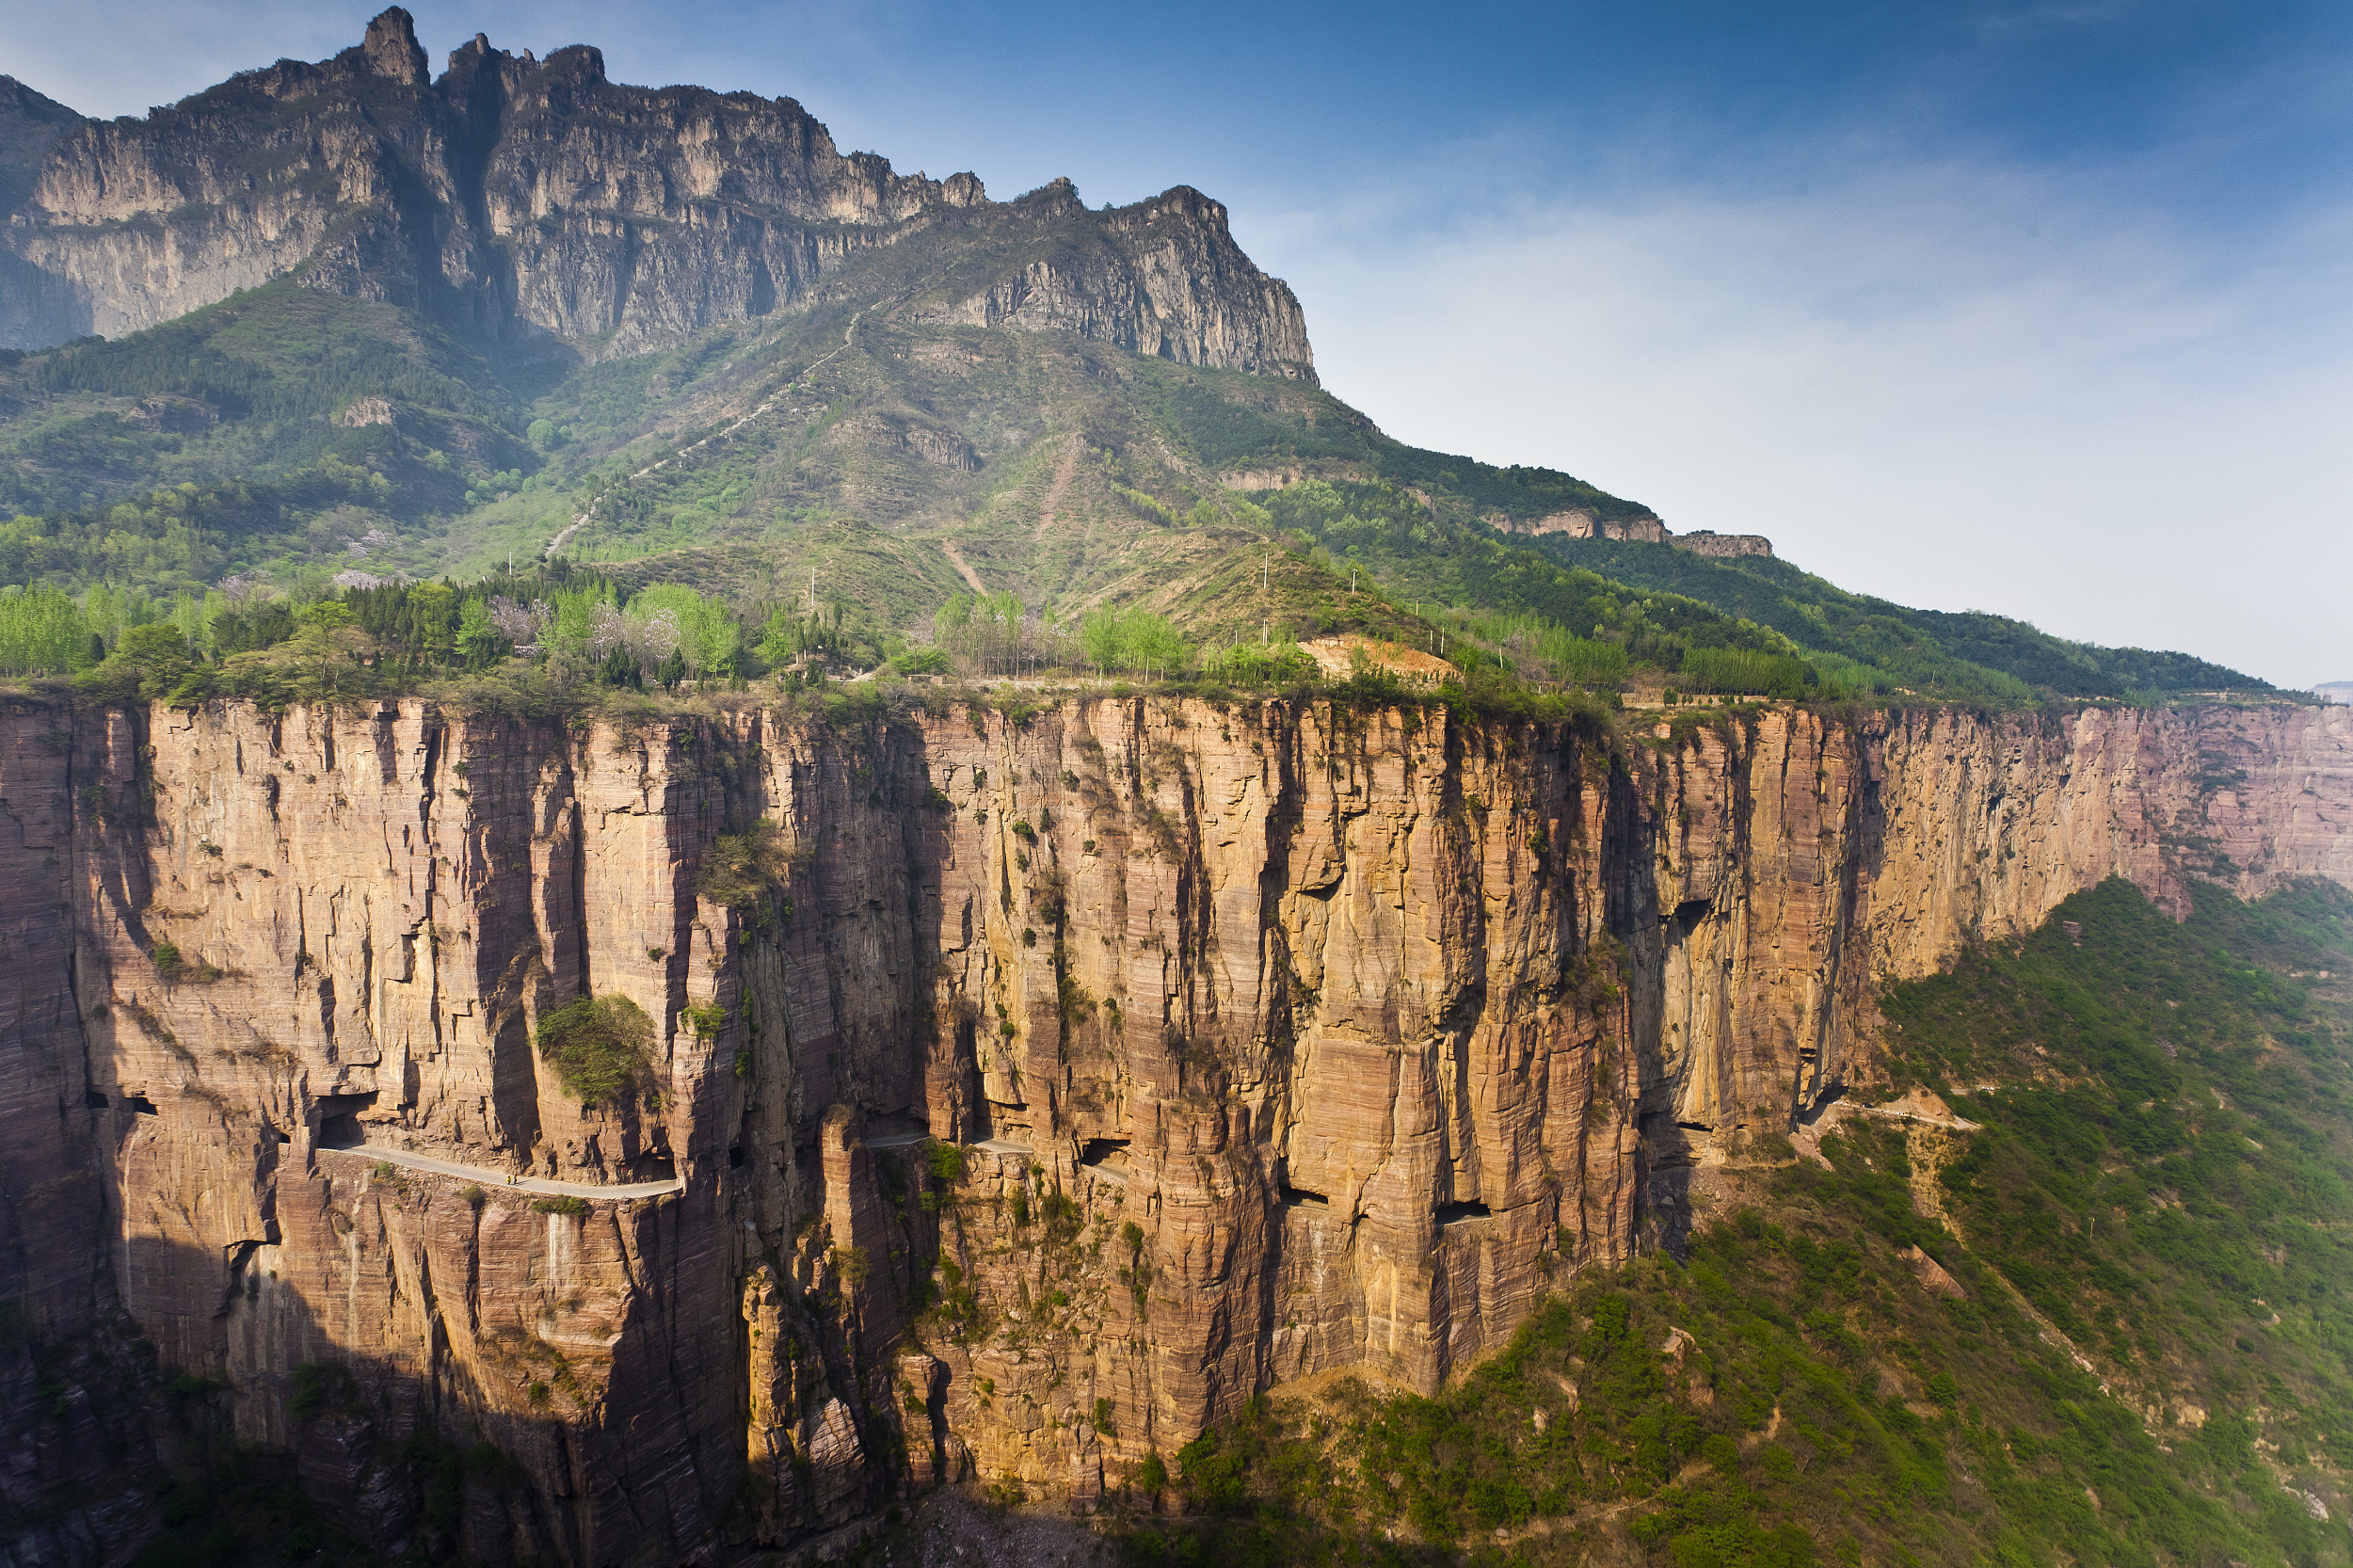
(1018, 1098)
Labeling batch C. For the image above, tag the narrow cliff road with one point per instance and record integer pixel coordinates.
(501, 1178)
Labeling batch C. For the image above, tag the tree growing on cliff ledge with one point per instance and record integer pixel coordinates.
(602, 1049)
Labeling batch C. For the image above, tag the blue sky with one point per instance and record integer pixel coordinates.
(2035, 306)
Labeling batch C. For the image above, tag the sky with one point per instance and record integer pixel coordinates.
(2036, 306)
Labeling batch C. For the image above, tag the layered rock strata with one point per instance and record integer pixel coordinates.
(1056, 1083)
(1640, 530)
(516, 195)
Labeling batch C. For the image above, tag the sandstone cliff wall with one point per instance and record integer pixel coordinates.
(515, 194)
(1275, 1040)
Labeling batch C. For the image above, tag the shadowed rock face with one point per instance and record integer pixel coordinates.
(1366, 1023)
(516, 195)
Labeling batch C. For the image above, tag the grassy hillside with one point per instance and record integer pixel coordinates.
(289, 436)
(2148, 1364)
(1929, 650)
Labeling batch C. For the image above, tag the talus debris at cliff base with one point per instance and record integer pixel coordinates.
(1033, 1094)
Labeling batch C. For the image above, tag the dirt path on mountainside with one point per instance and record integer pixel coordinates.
(955, 558)
(1060, 488)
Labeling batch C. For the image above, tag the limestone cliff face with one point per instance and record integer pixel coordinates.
(1273, 1040)
(515, 194)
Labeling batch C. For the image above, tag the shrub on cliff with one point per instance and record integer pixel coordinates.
(147, 663)
(172, 968)
(741, 869)
(602, 1047)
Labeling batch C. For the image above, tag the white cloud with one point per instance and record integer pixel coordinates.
(1952, 387)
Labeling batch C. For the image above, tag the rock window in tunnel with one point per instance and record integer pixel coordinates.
(339, 1120)
(1462, 1213)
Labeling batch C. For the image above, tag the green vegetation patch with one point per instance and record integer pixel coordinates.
(602, 1049)
(249, 1507)
(1969, 655)
(2168, 1161)
(740, 870)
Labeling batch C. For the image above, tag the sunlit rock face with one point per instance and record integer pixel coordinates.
(514, 196)
(1275, 1038)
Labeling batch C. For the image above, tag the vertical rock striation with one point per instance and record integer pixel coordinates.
(516, 196)
(1270, 1039)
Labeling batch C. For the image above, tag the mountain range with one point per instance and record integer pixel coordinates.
(681, 335)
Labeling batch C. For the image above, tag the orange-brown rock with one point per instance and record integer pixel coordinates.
(1275, 1038)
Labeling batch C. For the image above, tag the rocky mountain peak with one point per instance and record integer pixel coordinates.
(1058, 196)
(392, 49)
(518, 198)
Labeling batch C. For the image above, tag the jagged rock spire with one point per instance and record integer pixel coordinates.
(392, 48)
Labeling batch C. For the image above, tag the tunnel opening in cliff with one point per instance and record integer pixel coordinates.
(339, 1120)
(1462, 1213)
(653, 1165)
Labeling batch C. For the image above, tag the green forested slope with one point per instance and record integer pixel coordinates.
(2150, 1364)
(288, 435)
(1927, 650)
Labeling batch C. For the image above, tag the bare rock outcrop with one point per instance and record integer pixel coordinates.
(1254, 1041)
(1722, 546)
(518, 196)
(1580, 524)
